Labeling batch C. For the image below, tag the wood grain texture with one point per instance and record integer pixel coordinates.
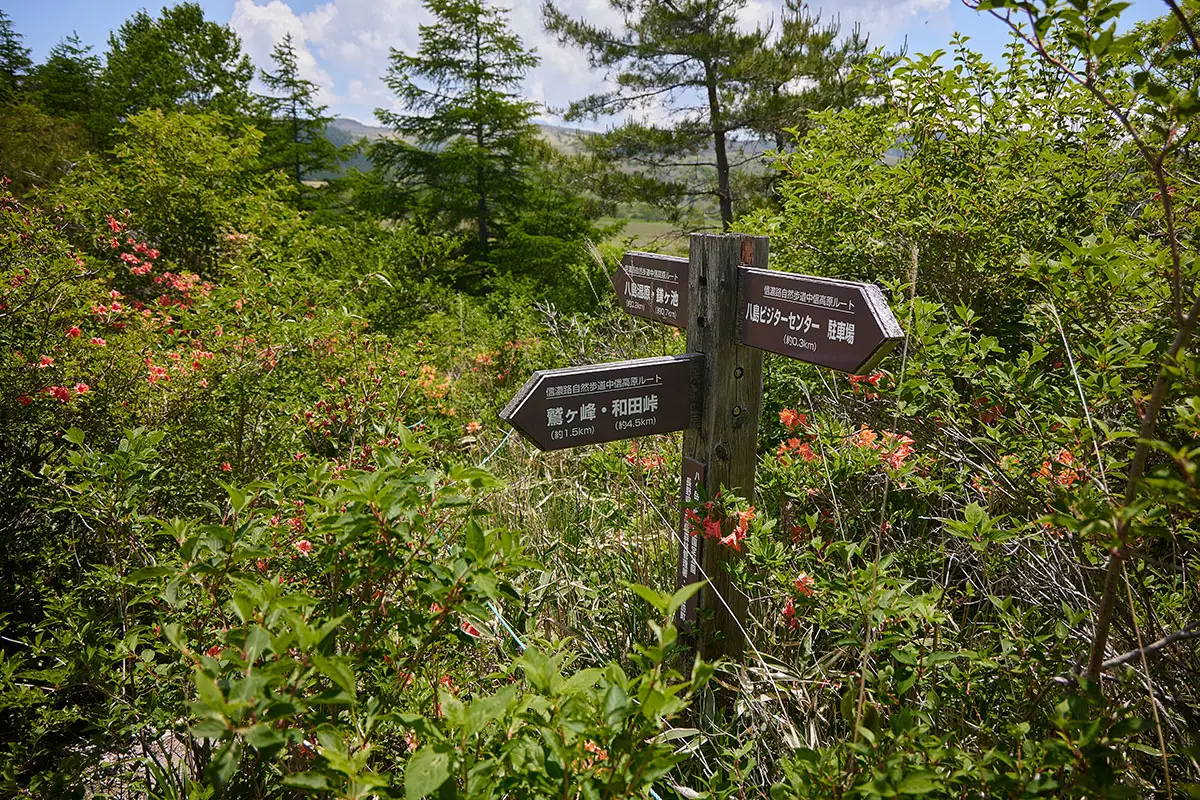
(727, 438)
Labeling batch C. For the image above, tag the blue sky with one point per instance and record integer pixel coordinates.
(345, 42)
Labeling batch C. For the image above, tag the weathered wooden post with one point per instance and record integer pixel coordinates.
(726, 441)
(733, 308)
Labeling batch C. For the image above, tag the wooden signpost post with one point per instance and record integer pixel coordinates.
(733, 309)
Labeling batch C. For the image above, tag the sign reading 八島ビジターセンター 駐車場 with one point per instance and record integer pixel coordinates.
(844, 325)
(571, 407)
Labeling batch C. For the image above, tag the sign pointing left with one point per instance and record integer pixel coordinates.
(558, 408)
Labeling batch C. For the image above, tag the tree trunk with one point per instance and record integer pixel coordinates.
(724, 196)
(296, 138)
(480, 177)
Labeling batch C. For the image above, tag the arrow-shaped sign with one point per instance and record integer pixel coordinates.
(844, 325)
(558, 408)
(654, 287)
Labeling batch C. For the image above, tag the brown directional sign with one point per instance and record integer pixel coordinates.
(843, 325)
(691, 548)
(571, 407)
(654, 287)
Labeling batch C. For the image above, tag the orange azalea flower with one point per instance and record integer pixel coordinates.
(865, 437)
(791, 420)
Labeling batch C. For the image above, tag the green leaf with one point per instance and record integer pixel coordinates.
(74, 436)
(488, 709)
(659, 601)
(265, 738)
(224, 763)
(683, 595)
(473, 538)
(308, 780)
(919, 783)
(336, 669)
(616, 706)
(427, 770)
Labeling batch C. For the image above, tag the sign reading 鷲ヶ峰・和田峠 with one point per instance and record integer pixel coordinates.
(575, 406)
(843, 325)
(653, 287)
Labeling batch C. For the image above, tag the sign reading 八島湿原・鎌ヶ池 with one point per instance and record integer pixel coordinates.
(653, 287)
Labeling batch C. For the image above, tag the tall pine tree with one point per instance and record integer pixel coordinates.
(713, 83)
(464, 135)
(809, 67)
(295, 124)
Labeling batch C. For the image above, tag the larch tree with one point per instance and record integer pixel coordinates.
(14, 58)
(294, 123)
(464, 134)
(66, 82)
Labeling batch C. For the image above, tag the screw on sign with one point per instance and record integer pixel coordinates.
(843, 325)
(572, 407)
(653, 287)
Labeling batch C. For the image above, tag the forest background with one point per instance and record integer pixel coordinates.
(263, 535)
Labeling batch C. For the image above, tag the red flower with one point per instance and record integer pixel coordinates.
(789, 614)
(46, 362)
(791, 420)
(805, 585)
(60, 393)
(24, 400)
(865, 437)
(225, 467)
(96, 340)
(213, 651)
(304, 545)
(473, 426)
(469, 629)
(734, 539)
(712, 528)
(73, 331)
(82, 388)
(114, 225)
(298, 457)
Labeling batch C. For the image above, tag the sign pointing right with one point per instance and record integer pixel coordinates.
(843, 325)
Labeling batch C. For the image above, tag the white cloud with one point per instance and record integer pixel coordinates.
(882, 20)
(261, 28)
(343, 45)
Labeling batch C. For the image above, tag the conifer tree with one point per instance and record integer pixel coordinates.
(809, 67)
(464, 135)
(14, 58)
(66, 82)
(295, 124)
(714, 83)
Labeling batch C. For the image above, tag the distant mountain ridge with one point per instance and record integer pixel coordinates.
(344, 131)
